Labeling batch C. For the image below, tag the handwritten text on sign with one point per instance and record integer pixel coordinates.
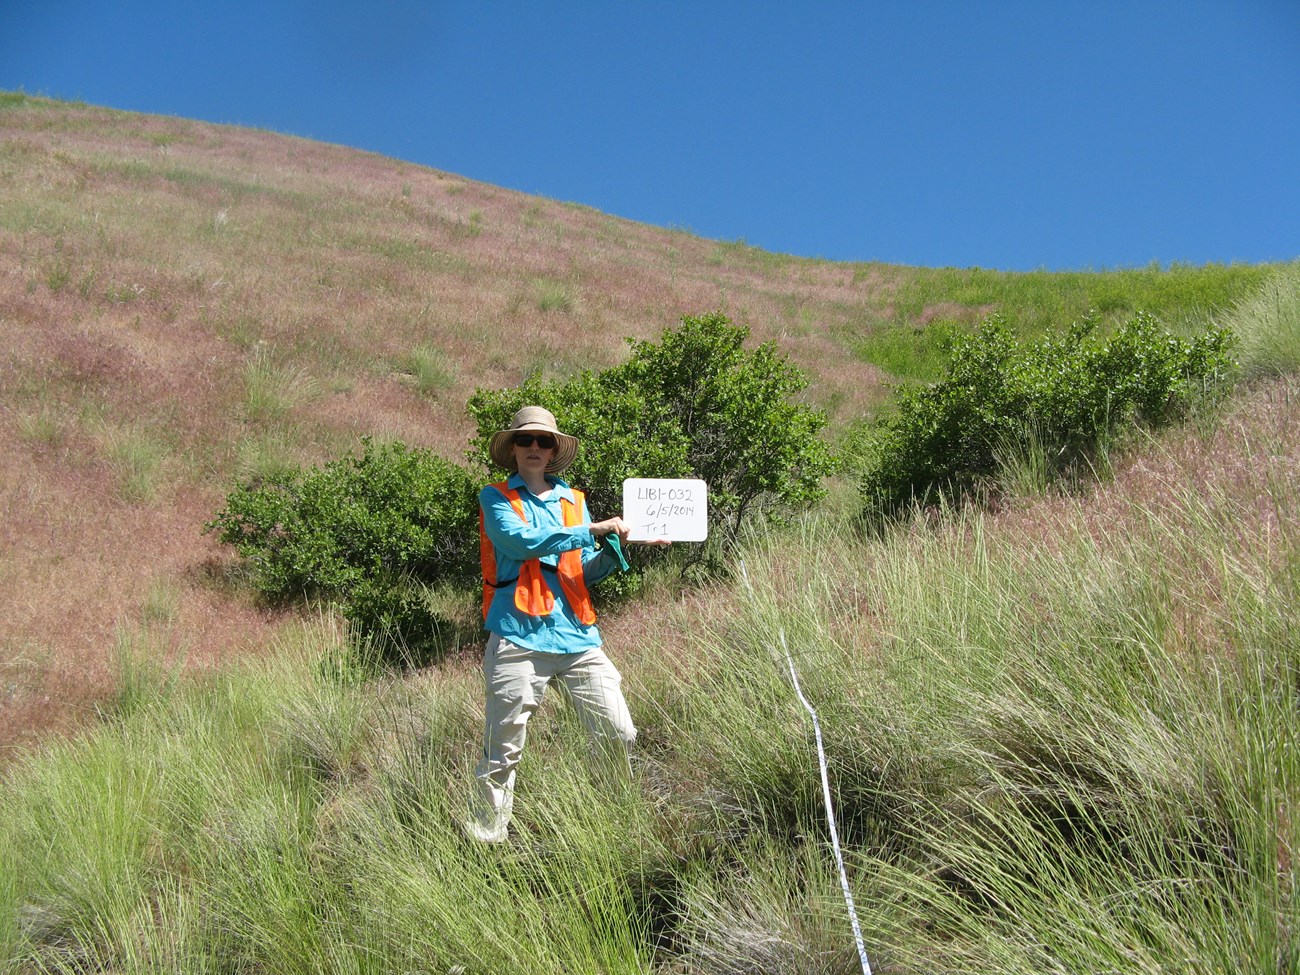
(671, 508)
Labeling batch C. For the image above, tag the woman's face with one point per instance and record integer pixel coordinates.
(531, 453)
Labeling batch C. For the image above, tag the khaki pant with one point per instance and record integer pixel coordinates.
(516, 679)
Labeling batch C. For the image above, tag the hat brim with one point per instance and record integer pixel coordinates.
(501, 448)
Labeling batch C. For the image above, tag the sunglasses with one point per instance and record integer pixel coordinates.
(543, 440)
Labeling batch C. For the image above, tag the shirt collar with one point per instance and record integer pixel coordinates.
(559, 487)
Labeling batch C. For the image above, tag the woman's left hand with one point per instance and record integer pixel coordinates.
(611, 526)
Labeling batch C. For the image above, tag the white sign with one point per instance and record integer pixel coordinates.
(666, 508)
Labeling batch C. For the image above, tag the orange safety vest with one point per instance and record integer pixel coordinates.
(532, 595)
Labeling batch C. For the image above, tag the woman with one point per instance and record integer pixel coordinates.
(539, 554)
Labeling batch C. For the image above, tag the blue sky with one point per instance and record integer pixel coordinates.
(1010, 135)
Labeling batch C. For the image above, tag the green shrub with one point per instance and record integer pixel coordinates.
(756, 449)
(695, 404)
(395, 623)
(375, 533)
(622, 434)
(358, 531)
(1060, 396)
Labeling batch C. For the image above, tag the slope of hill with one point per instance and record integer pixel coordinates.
(1061, 735)
(1061, 738)
(184, 305)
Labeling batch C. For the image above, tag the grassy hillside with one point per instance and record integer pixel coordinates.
(1061, 739)
(184, 306)
(1061, 736)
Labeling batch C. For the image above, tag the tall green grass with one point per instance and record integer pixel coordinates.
(933, 306)
(1181, 294)
(1083, 740)
(1268, 323)
(1065, 744)
(276, 820)
(1061, 739)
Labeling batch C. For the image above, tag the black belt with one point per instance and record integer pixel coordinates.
(553, 569)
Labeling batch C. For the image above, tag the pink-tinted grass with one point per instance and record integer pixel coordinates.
(144, 260)
(1208, 509)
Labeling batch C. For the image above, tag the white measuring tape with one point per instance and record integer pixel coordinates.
(826, 792)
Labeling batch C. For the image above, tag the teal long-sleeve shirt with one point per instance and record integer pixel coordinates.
(544, 537)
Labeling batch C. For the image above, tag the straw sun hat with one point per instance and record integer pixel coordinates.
(533, 419)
